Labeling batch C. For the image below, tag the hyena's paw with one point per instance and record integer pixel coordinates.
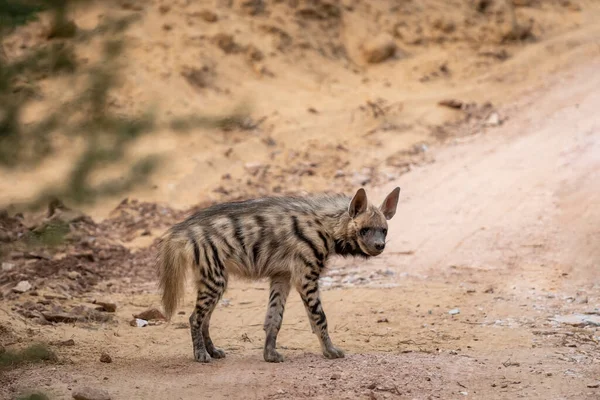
(333, 352)
(215, 352)
(201, 356)
(271, 355)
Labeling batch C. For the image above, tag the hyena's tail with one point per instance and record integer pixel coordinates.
(174, 259)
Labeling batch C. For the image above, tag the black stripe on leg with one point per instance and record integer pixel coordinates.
(205, 297)
(316, 311)
(308, 263)
(311, 291)
(210, 288)
(274, 295)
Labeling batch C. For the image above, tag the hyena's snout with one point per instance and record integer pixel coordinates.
(375, 241)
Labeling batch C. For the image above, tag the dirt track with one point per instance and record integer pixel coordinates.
(503, 227)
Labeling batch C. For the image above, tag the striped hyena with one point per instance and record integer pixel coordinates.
(285, 239)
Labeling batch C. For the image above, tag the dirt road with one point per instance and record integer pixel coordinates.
(503, 227)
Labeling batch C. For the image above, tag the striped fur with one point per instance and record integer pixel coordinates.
(285, 239)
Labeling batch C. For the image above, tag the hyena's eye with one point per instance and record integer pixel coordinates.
(384, 231)
(364, 231)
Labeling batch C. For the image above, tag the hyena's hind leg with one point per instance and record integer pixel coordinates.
(213, 351)
(209, 293)
(280, 289)
(308, 287)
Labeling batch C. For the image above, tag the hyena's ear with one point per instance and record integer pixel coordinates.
(388, 207)
(358, 205)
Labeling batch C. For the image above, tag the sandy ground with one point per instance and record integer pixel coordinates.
(503, 226)
(324, 118)
(499, 222)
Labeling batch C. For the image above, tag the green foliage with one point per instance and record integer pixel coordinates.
(31, 354)
(52, 233)
(87, 119)
(34, 396)
(18, 12)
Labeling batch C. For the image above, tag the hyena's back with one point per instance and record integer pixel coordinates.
(251, 239)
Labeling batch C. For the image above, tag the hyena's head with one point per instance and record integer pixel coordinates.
(368, 222)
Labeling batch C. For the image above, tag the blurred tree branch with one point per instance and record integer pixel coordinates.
(87, 117)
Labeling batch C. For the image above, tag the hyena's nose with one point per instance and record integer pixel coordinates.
(380, 246)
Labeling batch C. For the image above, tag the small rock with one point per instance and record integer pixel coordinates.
(226, 43)
(482, 5)
(67, 29)
(7, 267)
(59, 317)
(88, 393)
(594, 385)
(451, 103)
(382, 320)
(208, 16)
(493, 119)
(578, 320)
(454, 311)
(105, 358)
(572, 6)
(446, 26)
(5, 237)
(509, 363)
(245, 338)
(150, 314)
(379, 48)
(132, 5)
(253, 168)
(140, 323)
(22, 287)
(105, 306)
(68, 342)
(336, 376)
(73, 275)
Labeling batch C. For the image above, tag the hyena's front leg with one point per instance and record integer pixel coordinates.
(280, 289)
(309, 292)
